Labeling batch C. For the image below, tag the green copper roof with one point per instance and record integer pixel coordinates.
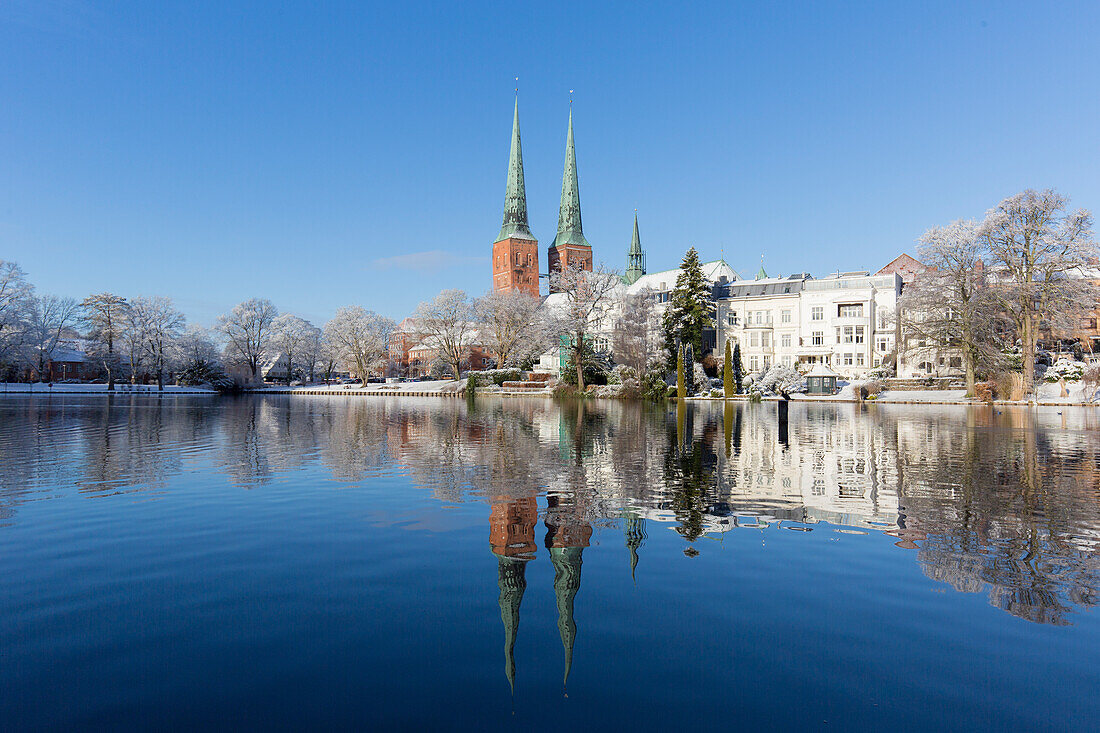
(515, 194)
(569, 213)
(635, 258)
(762, 275)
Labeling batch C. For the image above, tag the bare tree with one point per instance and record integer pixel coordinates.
(48, 318)
(15, 301)
(162, 326)
(949, 307)
(248, 329)
(1035, 246)
(291, 335)
(588, 298)
(312, 350)
(637, 339)
(360, 338)
(194, 345)
(104, 315)
(512, 325)
(132, 336)
(449, 325)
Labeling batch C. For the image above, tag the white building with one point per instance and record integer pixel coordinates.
(844, 320)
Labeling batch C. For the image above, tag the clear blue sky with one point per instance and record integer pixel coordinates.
(312, 155)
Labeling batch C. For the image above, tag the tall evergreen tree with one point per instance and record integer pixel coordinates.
(738, 370)
(681, 388)
(727, 372)
(690, 308)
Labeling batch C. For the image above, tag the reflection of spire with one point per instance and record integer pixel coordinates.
(512, 579)
(512, 537)
(635, 533)
(567, 581)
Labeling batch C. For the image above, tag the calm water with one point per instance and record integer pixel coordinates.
(282, 562)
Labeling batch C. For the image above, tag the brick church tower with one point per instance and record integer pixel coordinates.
(570, 247)
(516, 251)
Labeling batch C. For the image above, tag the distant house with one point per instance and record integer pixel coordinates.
(275, 369)
(904, 265)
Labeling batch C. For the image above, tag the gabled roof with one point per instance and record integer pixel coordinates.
(713, 271)
(903, 264)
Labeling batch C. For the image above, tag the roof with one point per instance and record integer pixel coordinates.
(790, 285)
(821, 369)
(713, 271)
(903, 264)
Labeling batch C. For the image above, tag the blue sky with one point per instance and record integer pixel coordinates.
(355, 153)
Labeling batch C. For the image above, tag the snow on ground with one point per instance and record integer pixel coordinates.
(924, 395)
(120, 388)
(441, 385)
(1053, 392)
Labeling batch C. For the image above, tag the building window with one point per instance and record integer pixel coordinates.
(787, 361)
(767, 363)
(818, 338)
(754, 363)
(765, 339)
(817, 313)
(845, 335)
(847, 360)
(859, 334)
(785, 317)
(859, 359)
(850, 310)
(754, 339)
(956, 362)
(785, 341)
(883, 345)
(731, 318)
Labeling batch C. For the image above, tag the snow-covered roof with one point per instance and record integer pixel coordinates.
(789, 285)
(821, 369)
(713, 271)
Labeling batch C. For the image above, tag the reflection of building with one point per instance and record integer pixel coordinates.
(512, 537)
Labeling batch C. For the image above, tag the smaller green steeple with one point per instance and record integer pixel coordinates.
(762, 275)
(635, 258)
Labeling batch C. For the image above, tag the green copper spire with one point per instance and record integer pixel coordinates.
(569, 213)
(515, 194)
(635, 533)
(635, 258)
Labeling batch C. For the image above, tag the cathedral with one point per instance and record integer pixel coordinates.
(516, 251)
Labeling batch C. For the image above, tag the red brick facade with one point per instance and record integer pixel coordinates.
(516, 265)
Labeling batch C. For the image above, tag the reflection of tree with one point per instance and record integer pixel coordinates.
(1003, 512)
(689, 476)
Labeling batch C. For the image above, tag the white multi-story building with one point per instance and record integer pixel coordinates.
(763, 317)
(844, 320)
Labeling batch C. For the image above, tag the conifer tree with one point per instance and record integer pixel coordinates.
(690, 308)
(738, 371)
(681, 388)
(727, 372)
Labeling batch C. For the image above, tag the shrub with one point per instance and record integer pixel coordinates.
(1091, 380)
(1009, 386)
(780, 379)
(652, 386)
(1066, 369)
(872, 388)
(984, 391)
(670, 392)
(717, 393)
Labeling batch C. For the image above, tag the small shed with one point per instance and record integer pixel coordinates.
(821, 380)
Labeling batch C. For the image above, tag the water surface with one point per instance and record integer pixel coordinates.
(289, 562)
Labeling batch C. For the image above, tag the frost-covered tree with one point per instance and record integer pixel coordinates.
(950, 306)
(781, 380)
(104, 316)
(16, 295)
(132, 337)
(1036, 248)
(448, 324)
(248, 330)
(512, 326)
(312, 351)
(48, 318)
(162, 325)
(360, 338)
(195, 345)
(588, 299)
(292, 336)
(690, 308)
(637, 340)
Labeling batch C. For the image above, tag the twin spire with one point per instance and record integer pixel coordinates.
(515, 194)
